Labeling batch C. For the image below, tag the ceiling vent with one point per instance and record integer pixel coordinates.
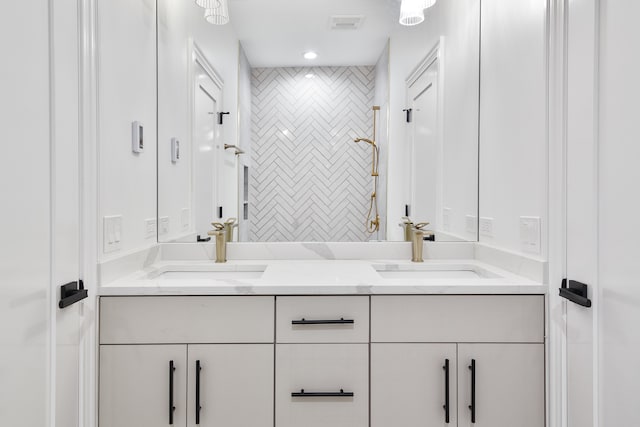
(346, 22)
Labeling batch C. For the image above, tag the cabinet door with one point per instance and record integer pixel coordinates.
(135, 385)
(509, 385)
(409, 385)
(234, 387)
(309, 380)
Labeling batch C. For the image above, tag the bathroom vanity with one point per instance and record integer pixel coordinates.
(382, 343)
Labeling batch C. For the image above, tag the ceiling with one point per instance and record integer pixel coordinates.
(276, 33)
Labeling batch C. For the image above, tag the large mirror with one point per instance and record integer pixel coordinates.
(318, 120)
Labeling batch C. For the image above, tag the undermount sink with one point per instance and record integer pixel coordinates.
(427, 272)
(216, 273)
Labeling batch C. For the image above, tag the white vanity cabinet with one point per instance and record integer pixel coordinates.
(493, 346)
(186, 361)
(322, 361)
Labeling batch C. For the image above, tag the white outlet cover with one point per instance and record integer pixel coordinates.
(164, 225)
(185, 218)
(530, 234)
(151, 228)
(471, 222)
(112, 233)
(486, 226)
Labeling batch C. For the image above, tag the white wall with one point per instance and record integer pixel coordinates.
(127, 92)
(244, 137)
(179, 22)
(513, 128)
(381, 99)
(457, 21)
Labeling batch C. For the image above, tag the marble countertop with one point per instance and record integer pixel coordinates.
(321, 277)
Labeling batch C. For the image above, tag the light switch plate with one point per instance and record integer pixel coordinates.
(530, 234)
(163, 227)
(486, 226)
(112, 233)
(151, 228)
(185, 219)
(446, 219)
(471, 222)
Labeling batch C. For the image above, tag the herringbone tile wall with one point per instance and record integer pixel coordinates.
(309, 181)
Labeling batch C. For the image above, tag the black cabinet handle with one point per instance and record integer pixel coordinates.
(446, 390)
(340, 321)
(340, 393)
(575, 292)
(472, 407)
(172, 408)
(198, 407)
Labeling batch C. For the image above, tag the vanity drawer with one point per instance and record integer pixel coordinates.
(457, 318)
(322, 368)
(201, 319)
(322, 319)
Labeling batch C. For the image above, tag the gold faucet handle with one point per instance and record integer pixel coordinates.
(218, 226)
(230, 221)
(420, 225)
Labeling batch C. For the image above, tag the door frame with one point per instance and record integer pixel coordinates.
(559, 103)
(434, 57)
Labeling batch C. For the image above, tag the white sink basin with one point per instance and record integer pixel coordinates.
(430, 274)
(433, 271)
(208, 273)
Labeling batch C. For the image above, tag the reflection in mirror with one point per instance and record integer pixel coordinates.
(381, 123)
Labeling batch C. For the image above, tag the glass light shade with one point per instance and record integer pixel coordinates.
(208, 4)
(411, 12)
(218, 15)
(426, 4)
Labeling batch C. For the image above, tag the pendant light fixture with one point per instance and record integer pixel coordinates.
(411, 12)
(426, 4)
(208, 4)
(218, 15)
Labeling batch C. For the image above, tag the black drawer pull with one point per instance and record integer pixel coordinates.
(340, 321)
(198, 407)
(340, 393)
(446, 390)
(472, 407)
(172, 408)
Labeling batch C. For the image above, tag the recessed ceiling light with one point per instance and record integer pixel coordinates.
(310, 55)
(310, 75)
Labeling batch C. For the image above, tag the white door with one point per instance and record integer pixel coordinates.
(26, 295)
(39, 183)
(233, 386)
(423, 101)
(143, 385)
(206, 155)
(413, 385)
(603, 344)
(501, 385)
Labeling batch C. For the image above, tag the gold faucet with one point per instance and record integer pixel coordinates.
(221, 241)
(229, 225)
(407, 227)
(417, 240)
